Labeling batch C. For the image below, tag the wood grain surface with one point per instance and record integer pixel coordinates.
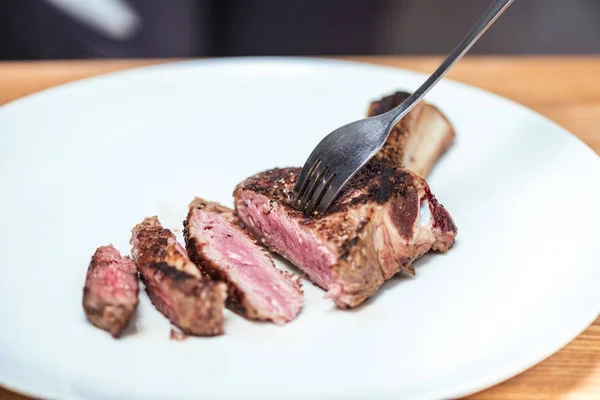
(564, 89)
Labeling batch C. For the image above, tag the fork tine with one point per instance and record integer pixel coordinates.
(312, 185)
(303, 180)
(335, 184)
(318, 195)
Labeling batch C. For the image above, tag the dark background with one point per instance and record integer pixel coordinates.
(39, 29)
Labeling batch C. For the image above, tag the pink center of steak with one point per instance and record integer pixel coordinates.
(114, 278)
(276, 229)
(271, 292)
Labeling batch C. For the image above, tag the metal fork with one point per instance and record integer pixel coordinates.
(342, 153)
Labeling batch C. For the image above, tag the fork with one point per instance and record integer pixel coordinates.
(342, 153)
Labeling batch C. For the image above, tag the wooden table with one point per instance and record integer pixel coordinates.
(566, 90)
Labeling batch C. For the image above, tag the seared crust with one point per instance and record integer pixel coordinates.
(174, 284)
(237, 300)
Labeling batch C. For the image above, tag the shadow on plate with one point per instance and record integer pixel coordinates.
(393, 283)
(390, 284)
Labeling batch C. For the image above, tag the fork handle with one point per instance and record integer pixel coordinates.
(486, 20)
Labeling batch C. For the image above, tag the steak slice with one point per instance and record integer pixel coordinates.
(226, 252)
(175, 285)
(419, 139)
(110, 294)
(383, 220)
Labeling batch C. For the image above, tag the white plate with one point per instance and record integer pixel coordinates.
(82, 163)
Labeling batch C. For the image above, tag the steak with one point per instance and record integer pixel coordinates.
(110, 294)
(384, 219)
(419, 139)
(174, 284)
(226, 252)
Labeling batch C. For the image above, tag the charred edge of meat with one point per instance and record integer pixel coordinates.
(197, 303)
(377, 179)
(171, 272)
(192, 287)
(269, 182)
(161, 246)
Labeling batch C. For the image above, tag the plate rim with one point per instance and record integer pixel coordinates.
(325, 61)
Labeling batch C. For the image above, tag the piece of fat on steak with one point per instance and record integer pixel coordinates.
(419, 139)
(175, 285)
(226, 252)
(110, 294)
(383, 220)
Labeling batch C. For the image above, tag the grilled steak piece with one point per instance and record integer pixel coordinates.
(110, 294)
(419, 139)
(175, 284)
(383, 220)
(226, 252)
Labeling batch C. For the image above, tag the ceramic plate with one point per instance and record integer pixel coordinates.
(82, 163)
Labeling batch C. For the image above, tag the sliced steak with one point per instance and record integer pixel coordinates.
(226, 252)
(110, 294)
(419, 139)
(174, 283)
(384, 220)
